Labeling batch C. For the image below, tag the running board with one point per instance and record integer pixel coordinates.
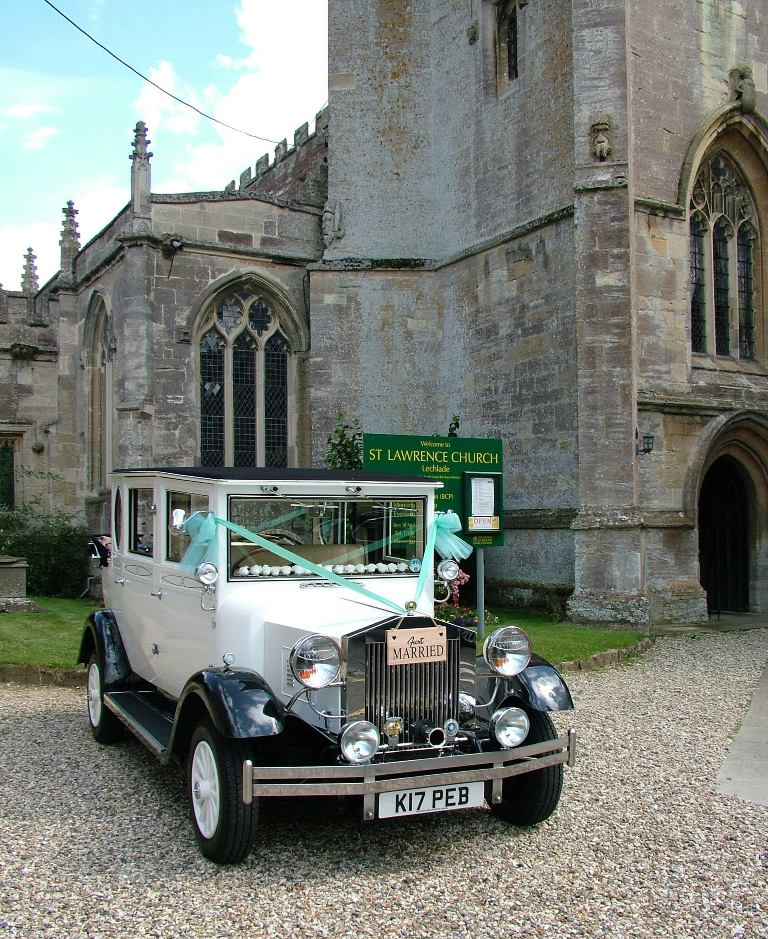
(146, 714)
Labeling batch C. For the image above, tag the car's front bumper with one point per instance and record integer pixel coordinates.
(371, 779)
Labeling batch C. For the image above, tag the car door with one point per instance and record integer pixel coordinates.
(134, 572)
(181, 630)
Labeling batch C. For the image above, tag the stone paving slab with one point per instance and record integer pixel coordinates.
(744, 772)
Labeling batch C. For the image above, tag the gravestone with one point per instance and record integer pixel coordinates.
(13, 586)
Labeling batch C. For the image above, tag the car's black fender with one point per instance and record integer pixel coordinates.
(102, 637)
(539, 686)
(238, 702)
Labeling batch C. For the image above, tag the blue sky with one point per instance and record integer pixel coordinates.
(67, 110)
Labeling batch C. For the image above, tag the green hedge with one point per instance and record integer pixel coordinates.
(54, 545)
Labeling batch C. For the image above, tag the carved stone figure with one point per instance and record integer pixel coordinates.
(332, 226)
(742, 88)
(601, 139)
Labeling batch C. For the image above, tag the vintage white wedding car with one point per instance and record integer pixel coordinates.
(274, 631)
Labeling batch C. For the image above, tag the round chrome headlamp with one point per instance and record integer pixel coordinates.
(315, 661)
(359, 742)
(510, 726)
(507, 650)
(207, 573)
(448, 570)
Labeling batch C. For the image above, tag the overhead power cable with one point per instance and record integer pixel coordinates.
(170, 94)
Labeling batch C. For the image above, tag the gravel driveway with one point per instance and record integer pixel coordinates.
(95, 842)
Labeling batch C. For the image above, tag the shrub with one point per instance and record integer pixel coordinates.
(54, 546)
(345, 444)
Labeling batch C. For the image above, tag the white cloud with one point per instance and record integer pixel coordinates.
(226, 61)
(31, 109)
(158, 110)
(39, 138)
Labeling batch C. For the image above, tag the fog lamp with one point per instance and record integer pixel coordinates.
(507, 650)
(315, 661)
(510, 726)
(359, 742)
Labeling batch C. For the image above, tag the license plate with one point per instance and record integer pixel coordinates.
(431, 799)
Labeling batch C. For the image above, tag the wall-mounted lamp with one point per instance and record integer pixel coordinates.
(171, 245)
(646, 446)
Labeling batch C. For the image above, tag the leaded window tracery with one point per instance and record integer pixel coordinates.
(244, 366)
(723, 256)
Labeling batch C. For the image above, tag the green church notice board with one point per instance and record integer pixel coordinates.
(467, 466)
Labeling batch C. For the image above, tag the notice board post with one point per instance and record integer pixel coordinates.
(470, 469)
(484, 513)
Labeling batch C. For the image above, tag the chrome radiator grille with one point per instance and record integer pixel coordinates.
(419, 692)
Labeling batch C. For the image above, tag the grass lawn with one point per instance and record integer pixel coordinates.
(564, 642)
(49, 639)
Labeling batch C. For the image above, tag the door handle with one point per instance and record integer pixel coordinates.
(119, 580)
(156, 593)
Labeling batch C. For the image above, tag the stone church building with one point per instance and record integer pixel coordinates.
(548, 217)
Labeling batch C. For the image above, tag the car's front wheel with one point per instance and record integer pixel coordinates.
(224, 825)
(531, 798)
(105, 727)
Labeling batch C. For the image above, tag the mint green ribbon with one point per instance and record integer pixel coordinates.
(441, 537)
(447, 544)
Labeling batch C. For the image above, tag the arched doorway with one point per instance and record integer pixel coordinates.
(724, 518)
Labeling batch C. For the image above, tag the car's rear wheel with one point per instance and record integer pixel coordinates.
(531, 797)
(225, 827)
(105, 727)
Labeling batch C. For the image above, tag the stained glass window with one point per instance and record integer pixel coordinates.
(722, 309)
(276, 402)
(229, 314)
(244, 399)
(698, 304)
(244, 388)
(722, 251)
(746, 292)
(212, 399)
(260, 317)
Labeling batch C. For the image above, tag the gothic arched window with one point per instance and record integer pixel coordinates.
(244, 366)
(723, 250)
(98, 359)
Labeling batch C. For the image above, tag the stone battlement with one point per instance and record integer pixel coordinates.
(290, 174)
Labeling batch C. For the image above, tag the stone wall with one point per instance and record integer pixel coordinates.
(421, 171)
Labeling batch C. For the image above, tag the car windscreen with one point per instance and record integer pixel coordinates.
(348, 536)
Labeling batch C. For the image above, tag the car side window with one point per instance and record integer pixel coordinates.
(142, 511)
(118, 520)
(190, 502)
